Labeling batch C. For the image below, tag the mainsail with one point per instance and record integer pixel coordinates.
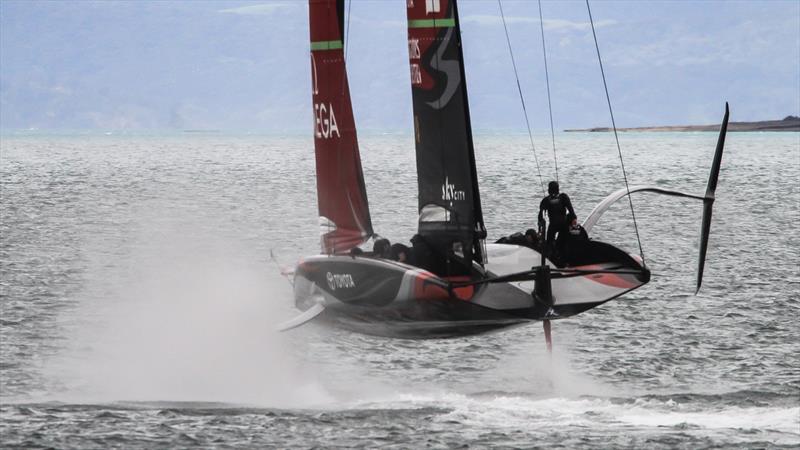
(343, 207)
(449, 201)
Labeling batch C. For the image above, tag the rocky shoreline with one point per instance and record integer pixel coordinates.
(789, 123)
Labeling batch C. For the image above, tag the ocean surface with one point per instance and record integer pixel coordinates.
(138, 301)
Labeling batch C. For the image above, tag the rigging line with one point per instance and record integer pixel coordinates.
(440, 115)
(329, 225)
(347, 30)
(616, 137)
(346, 38)
(521, 98)
(339, 152)
(547, 80)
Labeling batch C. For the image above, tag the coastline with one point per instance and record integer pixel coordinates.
(790, 123)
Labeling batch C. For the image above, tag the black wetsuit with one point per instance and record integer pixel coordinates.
(560, 212)
(576, 245)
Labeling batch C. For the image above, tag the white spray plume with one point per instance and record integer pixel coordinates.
(184, 317)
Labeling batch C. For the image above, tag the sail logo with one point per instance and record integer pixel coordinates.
(449, 67)
(413, 49)
(324, 118)
(340, 281)
(416, 74)
(551, 312)
(314, 85)
(325, 121)
(414, 53)
(450, 193)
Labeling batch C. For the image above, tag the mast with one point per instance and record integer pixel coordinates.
(480, 229)
(341, 194)
(450, 214)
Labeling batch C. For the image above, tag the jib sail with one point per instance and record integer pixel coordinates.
(343, 208)
(449, 201)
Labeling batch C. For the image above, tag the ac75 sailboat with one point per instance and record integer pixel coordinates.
(454, 284)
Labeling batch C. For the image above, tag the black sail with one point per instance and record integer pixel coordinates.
(450, 217)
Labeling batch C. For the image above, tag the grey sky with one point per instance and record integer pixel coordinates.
(244, 65)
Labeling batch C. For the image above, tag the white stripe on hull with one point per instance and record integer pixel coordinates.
(504, 259)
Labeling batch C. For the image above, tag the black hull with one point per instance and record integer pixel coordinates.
(384, 298)
(428, 319)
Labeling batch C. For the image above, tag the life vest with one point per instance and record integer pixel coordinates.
(556, 208)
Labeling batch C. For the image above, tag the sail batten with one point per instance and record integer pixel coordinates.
(341, 193)
(449, 200)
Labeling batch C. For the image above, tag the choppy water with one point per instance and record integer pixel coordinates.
(138, 299)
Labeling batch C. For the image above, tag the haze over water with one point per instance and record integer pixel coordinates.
(139, 299)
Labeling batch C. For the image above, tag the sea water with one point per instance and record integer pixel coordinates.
(139, 300)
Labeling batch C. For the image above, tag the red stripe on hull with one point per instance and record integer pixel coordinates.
(462, 293)
(426, 289)
(610, 279)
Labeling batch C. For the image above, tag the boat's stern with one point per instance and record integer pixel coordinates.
(602, 272)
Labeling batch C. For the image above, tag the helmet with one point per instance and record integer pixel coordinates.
(552, 187)
(381, 247)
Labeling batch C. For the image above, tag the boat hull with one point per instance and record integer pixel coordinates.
(386, 298)
(381, 297)
(573, 295)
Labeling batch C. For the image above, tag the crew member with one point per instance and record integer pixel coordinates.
(559, 212)
(533, 239)
(576, 245)
(381, 248)
(530, 239)
(401, 253)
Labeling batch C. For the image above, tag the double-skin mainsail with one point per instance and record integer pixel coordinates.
(449, 202)
(343, 208)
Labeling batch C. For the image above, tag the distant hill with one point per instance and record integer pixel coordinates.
(789, 123)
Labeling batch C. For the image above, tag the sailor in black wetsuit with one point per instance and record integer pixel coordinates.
(561, 215)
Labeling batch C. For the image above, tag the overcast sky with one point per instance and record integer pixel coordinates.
(239, 66)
